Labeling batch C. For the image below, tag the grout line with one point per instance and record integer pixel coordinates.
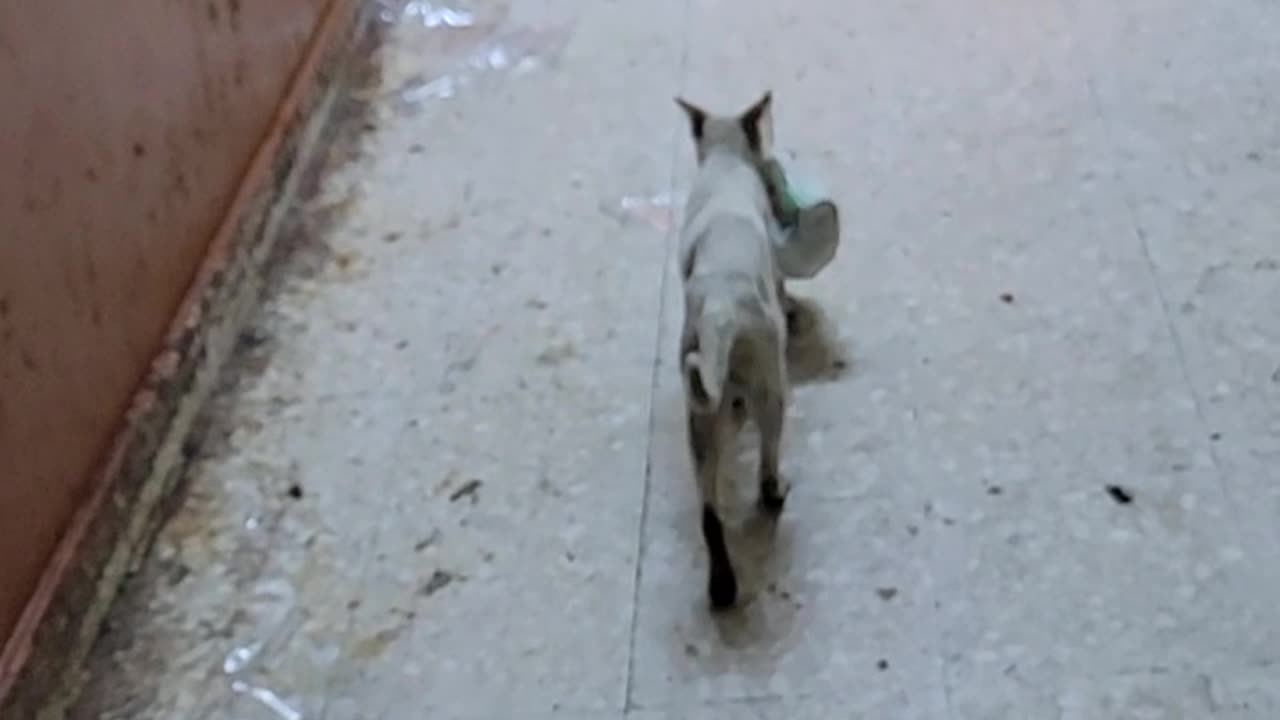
(777, 700)
(1171, 329)
(664, 280)
(1242, 532)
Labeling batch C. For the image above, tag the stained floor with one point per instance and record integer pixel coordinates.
(1035, 447)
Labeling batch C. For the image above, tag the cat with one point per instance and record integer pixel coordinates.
(733, 343)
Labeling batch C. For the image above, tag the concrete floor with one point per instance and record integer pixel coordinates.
(453, 482)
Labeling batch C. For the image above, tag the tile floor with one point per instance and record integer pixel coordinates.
(452, 481)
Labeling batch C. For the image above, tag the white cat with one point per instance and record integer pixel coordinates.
(733, 344)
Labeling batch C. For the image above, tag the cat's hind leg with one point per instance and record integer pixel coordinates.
(708, 434)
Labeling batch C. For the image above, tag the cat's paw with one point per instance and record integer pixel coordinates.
(773, 494)
(722, 588)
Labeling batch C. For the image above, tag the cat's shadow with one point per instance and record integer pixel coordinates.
(761, 542)
(766, 611)
(764, 559)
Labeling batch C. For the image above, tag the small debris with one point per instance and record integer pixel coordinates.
(887, 593)
(658, 211)
(252, 337)
(427, 542)
(401, 345)
(391, 237)
(1119, 494)
(779, 592)
(439, 580)
(1215, 437)
(545, 485)
(1006, 298)
(344, 260)
(913, 530)
(691, 650)
(839, 364)
(995, 490)
(295, 491)
(1275, 375)
(882, 664)
(375, 645)
(468, 490)
(177, 573)
(353, 604)
(416, 148)
(1253, 156)
(556, 353)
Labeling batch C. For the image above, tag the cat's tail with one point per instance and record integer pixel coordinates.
(706, 368)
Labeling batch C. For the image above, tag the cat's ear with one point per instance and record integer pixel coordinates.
(697, 117)
(757, 124)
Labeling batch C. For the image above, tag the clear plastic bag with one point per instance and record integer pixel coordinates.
(810, 226)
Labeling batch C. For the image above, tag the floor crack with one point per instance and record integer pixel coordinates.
(1153, 272)
(628, 702)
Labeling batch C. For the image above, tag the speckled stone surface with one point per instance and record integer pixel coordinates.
(1034, 439)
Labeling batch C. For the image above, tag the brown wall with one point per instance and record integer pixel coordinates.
(123, 135)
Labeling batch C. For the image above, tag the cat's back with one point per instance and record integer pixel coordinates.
(726, 220)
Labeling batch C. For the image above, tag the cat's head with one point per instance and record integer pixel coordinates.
(748, 134)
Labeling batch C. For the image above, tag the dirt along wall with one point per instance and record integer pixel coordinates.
(123, 137)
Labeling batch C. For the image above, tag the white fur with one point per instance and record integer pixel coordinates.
(733, 343)
(733, 310)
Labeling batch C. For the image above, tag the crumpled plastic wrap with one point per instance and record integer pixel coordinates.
(429, 14)
(515, 51)
(468, 44)
(660, 210)
(275, 609)
(432, 15)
